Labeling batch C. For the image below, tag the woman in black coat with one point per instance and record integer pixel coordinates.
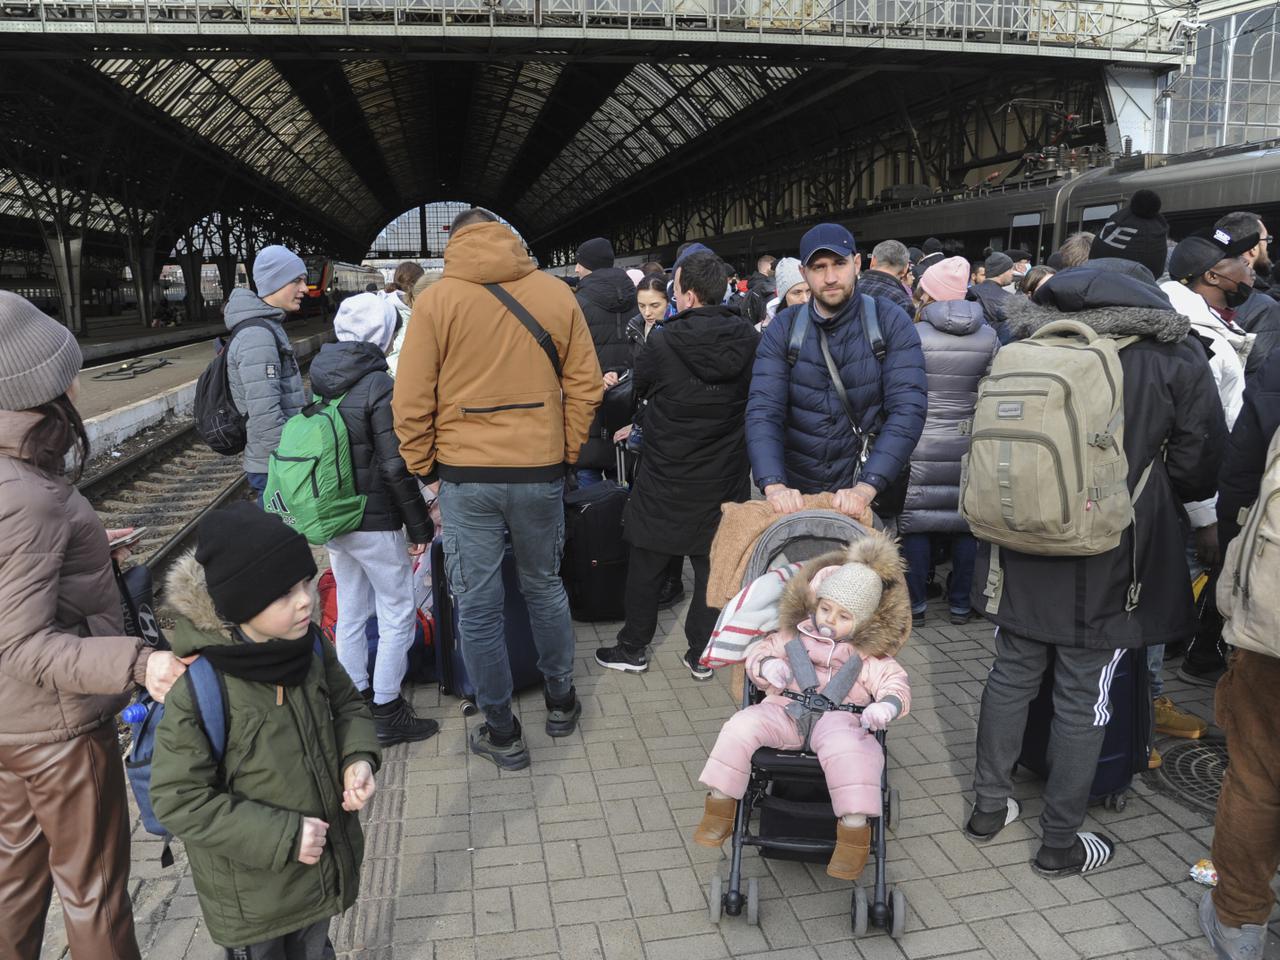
(694, 373)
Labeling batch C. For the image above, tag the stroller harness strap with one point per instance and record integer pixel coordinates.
(835, 691)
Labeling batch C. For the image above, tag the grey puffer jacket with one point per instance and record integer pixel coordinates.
(958, 346)
(266, 383)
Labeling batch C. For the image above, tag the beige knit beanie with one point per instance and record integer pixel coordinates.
(39, 358)
(855, 587)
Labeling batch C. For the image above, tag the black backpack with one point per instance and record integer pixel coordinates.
(220, 424)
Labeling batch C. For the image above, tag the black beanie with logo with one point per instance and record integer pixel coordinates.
(1138, 233)
(251, 559)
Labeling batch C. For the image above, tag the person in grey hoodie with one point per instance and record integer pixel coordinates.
(263, 373)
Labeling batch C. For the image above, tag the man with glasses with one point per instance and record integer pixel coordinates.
(1260, 314)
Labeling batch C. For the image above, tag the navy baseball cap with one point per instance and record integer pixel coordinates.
(830, 237)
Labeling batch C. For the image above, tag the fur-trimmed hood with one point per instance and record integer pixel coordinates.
(186, 593)
(1115, 303)
(887, 631)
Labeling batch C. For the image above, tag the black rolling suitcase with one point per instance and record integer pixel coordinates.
(594, 567)
(1127, 739)
(451, 671)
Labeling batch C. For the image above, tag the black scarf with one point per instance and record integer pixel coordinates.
(281, 662)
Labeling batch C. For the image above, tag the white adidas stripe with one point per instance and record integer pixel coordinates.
(1096, 851)
(1102, 709)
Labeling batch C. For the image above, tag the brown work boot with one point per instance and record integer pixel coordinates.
(1172, 722)
(853, 844)
(717, 821)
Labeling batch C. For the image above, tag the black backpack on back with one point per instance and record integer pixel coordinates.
(220, 424)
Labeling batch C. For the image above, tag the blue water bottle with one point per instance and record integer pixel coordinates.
(134, 713)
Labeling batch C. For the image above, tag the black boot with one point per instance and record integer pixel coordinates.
(672, 592)
(562, 714)
(397, 723)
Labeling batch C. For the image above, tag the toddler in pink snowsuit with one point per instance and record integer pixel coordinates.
(841, 620)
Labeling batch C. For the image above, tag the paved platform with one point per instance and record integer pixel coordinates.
(587, 854)
(124, 334)
(115, 406)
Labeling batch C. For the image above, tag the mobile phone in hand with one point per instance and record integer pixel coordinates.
(129, 540)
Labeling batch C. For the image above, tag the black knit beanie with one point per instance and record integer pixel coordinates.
(1136, 233)
(596, 254)
(251, 559)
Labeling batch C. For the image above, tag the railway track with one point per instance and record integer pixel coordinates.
(167, 487)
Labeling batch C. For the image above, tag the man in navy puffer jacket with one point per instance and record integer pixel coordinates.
(798, 435)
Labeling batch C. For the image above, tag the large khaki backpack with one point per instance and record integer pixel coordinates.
(1046, 471)
(1249, 586)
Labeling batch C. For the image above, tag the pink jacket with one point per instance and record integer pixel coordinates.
(881, 676)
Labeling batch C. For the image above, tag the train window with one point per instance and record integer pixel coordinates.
(1092, 219)
(1024, 233)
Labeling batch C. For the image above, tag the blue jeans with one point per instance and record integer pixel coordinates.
(917, 548)
(258, 483)
(588, 477)
(477, 518)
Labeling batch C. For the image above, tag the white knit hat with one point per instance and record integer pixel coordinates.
(786, 274)
(366, 318)
(855, 587)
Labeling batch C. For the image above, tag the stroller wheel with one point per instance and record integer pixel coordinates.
(859, 912)
(897, 913)
(893, 810)
(753, 902)
(715, 899)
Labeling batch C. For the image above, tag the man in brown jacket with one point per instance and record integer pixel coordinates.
(495, 406)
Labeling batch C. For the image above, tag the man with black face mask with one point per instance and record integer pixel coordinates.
(1260, 313)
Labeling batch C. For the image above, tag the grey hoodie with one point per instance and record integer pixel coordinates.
(266, 383)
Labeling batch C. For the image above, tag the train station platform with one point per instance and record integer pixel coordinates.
(123, 335)
(121, 398)
(587, 854)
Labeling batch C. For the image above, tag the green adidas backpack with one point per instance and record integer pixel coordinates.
(310, 480)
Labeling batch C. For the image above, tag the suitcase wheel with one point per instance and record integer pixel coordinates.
(468, 708)
(1115, 801)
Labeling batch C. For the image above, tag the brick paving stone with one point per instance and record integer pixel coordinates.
(1101, 941)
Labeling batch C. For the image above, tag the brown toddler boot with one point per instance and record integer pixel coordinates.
(717, 821)
(853, 844)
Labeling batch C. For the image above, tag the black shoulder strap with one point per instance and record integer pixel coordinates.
(535, 329)
(799, 328)
(871, 324)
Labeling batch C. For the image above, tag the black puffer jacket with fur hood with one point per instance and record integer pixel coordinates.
(1171, 416)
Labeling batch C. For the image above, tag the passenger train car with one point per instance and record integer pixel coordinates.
(329, 282)
(1038, 215)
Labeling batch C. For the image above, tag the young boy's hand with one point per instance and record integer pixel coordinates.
(314, 835)
(357, 780)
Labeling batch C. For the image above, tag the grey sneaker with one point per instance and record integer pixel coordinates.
(1231, 943)
(509, 754)
(562, 717)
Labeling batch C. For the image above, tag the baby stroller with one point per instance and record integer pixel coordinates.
(787, 787)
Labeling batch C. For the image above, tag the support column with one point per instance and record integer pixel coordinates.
(192, 265)
(1131, 108)
(422, 230)
(226, 273)
(65, 253)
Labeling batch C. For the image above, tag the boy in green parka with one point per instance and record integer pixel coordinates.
(272, 832)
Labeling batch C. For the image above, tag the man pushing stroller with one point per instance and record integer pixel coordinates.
(841, 620)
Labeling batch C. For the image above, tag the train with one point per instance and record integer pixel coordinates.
(1038, 214)
(329, 282)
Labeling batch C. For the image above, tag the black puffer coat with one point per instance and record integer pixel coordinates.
(360, 371)
(695, 371)
(958, 346)
(608, 301)
(1170, 403)
(994, 300)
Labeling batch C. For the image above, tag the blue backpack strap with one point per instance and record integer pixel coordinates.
(799, 327)
(871, 324)
(211, 711)
(317, 644)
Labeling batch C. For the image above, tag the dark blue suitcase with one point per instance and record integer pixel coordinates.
(1126, 742)
(451, 671)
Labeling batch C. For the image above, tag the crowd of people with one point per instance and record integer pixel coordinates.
(473, 400)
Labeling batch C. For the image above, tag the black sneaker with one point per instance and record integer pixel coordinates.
(697, 670)
(367, 693)
(507, 753)
(620, 658)
(562, 716)
(1201, 677)
(397, 723)
(917, 619)
(960, 619)
(672, 592)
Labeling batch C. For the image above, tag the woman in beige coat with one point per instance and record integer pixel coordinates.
(66, 669)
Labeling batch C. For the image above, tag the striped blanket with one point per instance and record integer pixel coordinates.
(750, 614)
